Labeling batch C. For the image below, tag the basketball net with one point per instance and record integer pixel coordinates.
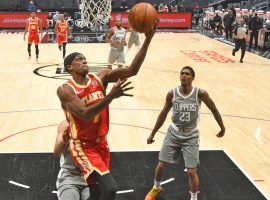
(94, 13)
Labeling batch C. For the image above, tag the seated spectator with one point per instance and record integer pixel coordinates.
(165, 9)
(161, 7)
(210, 8)
(180, 7)
(195, 7)
(171, 8)
(175, 8)
(31, 7)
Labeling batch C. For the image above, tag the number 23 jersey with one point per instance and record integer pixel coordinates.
(186, 109)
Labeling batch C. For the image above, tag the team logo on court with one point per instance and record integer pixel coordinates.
(57, 71)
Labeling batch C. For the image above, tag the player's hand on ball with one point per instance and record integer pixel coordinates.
(221, 133)
(120, 87)
(152, 32)
(150, 139)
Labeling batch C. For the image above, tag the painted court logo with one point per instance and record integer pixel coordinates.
(57, 71)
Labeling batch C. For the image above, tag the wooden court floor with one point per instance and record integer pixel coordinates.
(30, 109)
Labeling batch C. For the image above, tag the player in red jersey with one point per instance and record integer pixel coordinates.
(62, 31)
(34, 27)
(85, 103)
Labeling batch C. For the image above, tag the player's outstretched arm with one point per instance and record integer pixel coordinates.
(62, 138)
(162, 117)
(204, 96)
(132, 70)
(73, 104)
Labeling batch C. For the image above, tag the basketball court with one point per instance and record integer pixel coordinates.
(30, 112)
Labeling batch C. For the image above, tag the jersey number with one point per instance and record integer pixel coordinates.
(33, 27)
(184, 116)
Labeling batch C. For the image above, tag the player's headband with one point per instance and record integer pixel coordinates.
(68, 60)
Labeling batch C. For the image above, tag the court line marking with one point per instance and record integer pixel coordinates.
(167, 181)
(124, 191)
(247, 175)
(19, 184)
(149, 150)
(135, 109)
(172, 179)
(257, 135)
(39, 127)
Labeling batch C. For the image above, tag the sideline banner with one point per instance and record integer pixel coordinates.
(166, 20)
(18, 20)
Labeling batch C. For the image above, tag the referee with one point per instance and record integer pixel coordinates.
(240, 33)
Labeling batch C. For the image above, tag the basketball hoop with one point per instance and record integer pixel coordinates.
(94, 13)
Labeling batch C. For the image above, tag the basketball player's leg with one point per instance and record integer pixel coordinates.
(193, 182)
(59, 42)
(37, 51)
(112, 57)
(85, 193)
(101, 162)
(30, 41)
(129, 45)
(73, 192)
(95, 192)
(120, 58)
(160, 169)
(36, 41)
(107, 186)
(157, 189)
(29, 50)
(169, 153)
(71, 186)
(95, 164)
(64, 49)
(191, 158)
(136, 42)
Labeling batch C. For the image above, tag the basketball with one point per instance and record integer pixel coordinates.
(142, 17)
